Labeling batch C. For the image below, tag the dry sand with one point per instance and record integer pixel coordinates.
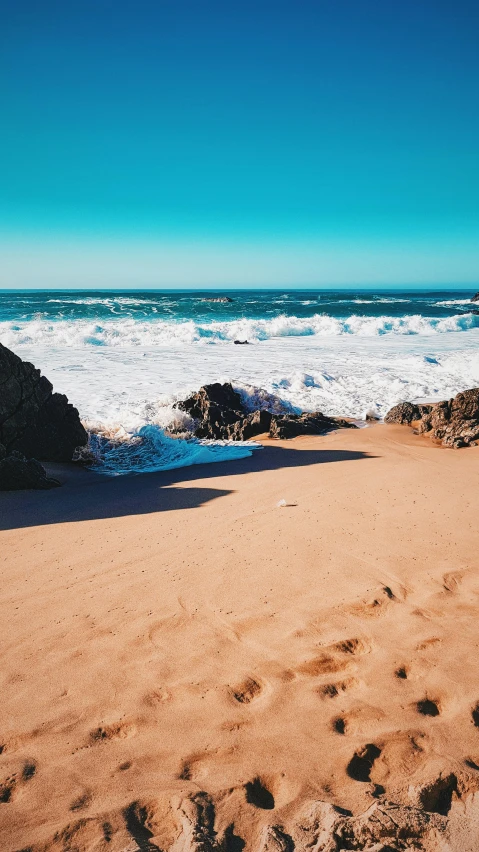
(187, 666)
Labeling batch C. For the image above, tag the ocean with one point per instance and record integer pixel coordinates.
(124, 357)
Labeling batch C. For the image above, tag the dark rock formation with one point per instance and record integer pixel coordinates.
(455, 422)
(253, 424)
(292, 425)
(406, 412)
(216, 408)
(34, 420)
(17, 472)
(245, 342)
(220, 414)
(475, 297)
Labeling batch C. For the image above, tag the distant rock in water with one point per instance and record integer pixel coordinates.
(455, 422)
(220, 414)
(241, 342)
(217, 299)
(35, 421)
(475, 297)
(17, 473)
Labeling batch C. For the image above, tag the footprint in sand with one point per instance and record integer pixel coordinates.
(332, 690)
(247, 691)
(452, 580)
(335, 657)
(378, 604)
(11, 786)
(258, 794)
(402, 673)
(116, 731)
(82, 801)
(362, 719)
(436, 796)
(401, 755)
(324, 664)
(360, 766)
(352, 646)
(428, 707)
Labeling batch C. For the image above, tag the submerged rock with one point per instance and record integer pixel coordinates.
(17, 473)
(34, 420)
(454, 422)
(220, 414)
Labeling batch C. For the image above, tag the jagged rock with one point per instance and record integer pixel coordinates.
(219, 413)
(253, 424)
(291, 425)
(475, 297)
(34, 420)
(216, 407)
(454, 422)
(405, 412)
(17, 473)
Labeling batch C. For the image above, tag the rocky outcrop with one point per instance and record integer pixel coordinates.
(406, 412)
(455, 422)
(216, 409)
(475, 297)
(219, 414)
(34, 420)
(17, 473)
(292, 425)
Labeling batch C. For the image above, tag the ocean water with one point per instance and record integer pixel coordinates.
(124, 358)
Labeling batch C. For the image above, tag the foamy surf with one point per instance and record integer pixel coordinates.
(150, 449)
(125, 359)
(135, 333)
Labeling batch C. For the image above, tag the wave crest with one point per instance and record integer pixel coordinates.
(134, 333)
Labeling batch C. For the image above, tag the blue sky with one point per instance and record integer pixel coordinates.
(161, 143)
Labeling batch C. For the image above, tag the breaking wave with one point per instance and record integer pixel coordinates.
(150, 449)
(134, 333)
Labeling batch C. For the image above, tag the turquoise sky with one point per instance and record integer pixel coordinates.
(255, 143)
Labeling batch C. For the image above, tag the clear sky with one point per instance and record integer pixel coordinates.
(158, 143)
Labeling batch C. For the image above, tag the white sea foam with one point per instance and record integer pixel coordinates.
(450, 303)
(131, 332)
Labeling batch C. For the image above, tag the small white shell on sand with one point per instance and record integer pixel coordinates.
(281, 504)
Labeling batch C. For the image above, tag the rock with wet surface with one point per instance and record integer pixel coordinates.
(454, 422)
(34, 420)
(405, 412)
(292, 425)
(220, 414)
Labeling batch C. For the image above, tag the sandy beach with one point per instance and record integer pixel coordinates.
(187, 665)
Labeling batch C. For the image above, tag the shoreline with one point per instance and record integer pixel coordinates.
(177, 633)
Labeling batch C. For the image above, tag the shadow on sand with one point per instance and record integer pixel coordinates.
(89, 496)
